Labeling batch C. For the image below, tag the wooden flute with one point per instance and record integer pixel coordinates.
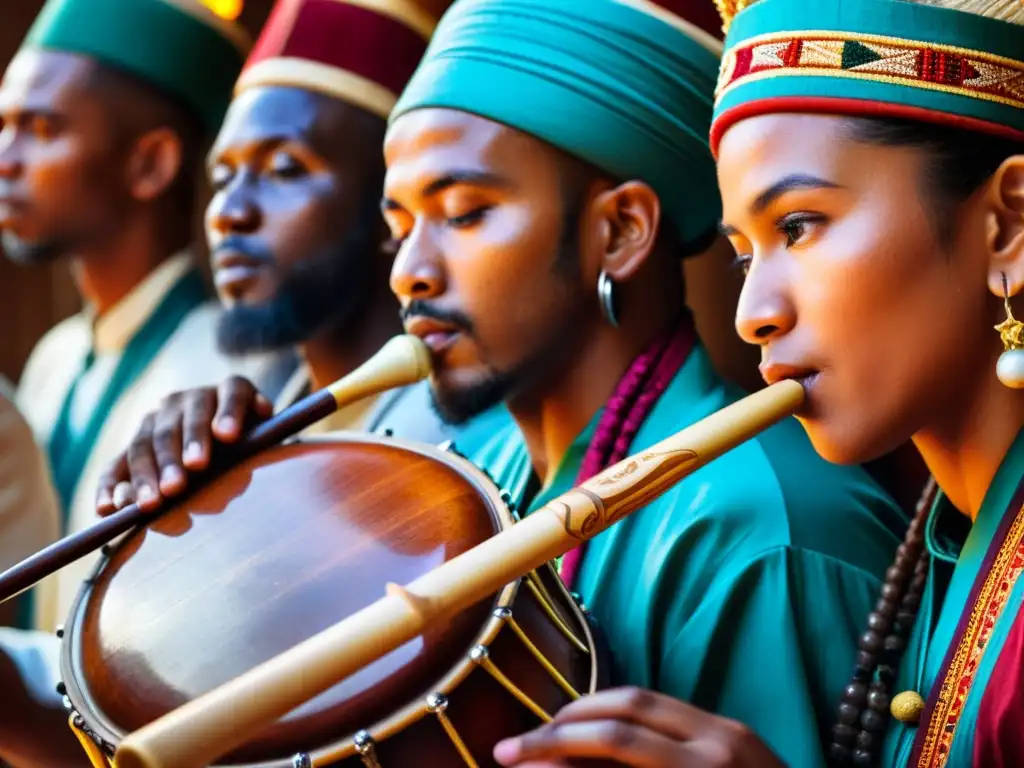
(199, 732)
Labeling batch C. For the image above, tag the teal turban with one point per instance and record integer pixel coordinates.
(616, 83)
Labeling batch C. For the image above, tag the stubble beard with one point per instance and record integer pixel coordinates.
(325, 291)
(25, 253)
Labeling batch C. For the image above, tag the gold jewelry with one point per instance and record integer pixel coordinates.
(728, 9)
(1010, 368)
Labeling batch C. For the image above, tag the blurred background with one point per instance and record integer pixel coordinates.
(33, 299)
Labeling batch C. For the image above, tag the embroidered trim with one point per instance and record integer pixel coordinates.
(963, 667)
(877, 58)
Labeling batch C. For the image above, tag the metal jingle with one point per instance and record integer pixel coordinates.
(302, 760)
(66, 703)
(479, 653)
(437, 702)
(60, 631)
(364, 742)
(502, 613)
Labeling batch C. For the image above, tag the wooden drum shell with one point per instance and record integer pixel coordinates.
(255, 563)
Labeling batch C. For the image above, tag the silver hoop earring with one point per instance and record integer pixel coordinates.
(606, 296)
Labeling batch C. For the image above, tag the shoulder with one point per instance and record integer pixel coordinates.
(773, 492)
(496, 448)
(15, 434)
(484, 429)
(191, 357)
(503, 456)
(830, 509)
(28, 506)
(52, 350)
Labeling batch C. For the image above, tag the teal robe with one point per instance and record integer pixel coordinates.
(959, 552)
(744, 588)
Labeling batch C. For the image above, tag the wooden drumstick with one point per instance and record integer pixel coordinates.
(210, 726)
(402, 361)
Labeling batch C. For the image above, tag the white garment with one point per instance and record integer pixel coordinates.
(29, 515)
(405, 412)
(29, 521)
(189, 359)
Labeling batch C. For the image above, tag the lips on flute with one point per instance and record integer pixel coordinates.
(199, 732)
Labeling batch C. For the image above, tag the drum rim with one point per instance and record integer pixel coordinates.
(107, 736)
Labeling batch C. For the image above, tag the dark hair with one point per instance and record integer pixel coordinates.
(140, 106)
(576, 178)
(960, 160)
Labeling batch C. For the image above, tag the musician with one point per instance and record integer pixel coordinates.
(103, 140)
(106, 111)
(299, 250)
(882, 228)
(547, 167)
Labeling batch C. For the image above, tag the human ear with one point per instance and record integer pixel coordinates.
(155, 162)
(631, 214)
(1004, 227)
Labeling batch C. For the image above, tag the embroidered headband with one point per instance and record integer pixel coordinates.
(885, 58)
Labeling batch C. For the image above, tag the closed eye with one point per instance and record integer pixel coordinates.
(469, 219)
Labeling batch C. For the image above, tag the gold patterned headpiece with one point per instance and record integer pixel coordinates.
(1005, 10)
(954, 62)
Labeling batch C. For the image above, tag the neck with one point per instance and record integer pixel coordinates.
(964, 454)
(552, 415)
(105, 275)
(340, 349)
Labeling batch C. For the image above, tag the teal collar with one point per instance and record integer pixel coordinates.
(948, 528)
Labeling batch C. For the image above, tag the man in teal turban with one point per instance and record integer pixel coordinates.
(547, 168)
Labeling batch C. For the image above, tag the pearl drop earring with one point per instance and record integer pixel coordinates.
(1010, 368)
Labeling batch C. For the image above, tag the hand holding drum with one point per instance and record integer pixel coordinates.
(402, 361)
(198, 733)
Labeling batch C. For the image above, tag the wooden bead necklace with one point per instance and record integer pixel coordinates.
(863, 713)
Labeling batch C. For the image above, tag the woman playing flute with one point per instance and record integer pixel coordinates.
(871, 162)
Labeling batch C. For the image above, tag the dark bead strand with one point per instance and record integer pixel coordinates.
(864, 711)
(869, 739)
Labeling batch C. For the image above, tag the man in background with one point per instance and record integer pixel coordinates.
(107, 110)
(300, 253)
(100, 155)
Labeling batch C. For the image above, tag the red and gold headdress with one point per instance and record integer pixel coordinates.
(361, 51)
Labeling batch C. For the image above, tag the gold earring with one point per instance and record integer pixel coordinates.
(1010, 368)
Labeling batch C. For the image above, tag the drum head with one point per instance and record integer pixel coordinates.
(276, 550)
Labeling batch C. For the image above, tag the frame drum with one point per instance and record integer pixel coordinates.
(285, 545)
